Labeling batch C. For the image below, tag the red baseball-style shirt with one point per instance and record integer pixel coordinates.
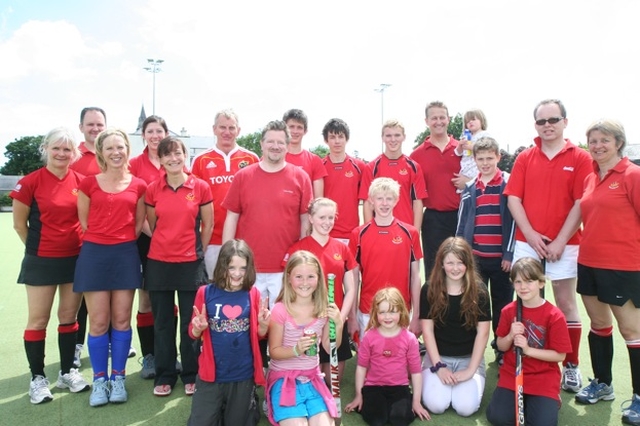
(218, 169)
(54, 228)
(176, 237)
(611, 217)
(549, 188)
(407, 173)
(438, 168)
(384, 254)
(112, 217)
(335, 258)
(342, 185)
(269, 205)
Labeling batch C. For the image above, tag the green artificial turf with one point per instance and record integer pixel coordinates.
(143, 408)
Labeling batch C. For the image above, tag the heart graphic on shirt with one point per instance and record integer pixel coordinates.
(232, 312)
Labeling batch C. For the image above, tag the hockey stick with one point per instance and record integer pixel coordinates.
(333, 357)
(519, 374)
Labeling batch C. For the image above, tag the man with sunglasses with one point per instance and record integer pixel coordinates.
(544, 193)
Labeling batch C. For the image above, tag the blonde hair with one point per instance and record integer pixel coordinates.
(384, 185)
(100, 140)
(394, 298)
(390, 124)
(317, 204)
(287, 296)
(59, 136)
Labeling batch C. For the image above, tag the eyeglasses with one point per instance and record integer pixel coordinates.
(552, 120)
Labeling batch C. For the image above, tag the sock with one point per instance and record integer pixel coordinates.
(633, 346)
(601, 350)
(67, 335)
(145, 332)
(120, 344)
(34, 347)
(99, 355)
(82, 323)
(575, 332)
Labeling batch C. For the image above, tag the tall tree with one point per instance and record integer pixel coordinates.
(320, 150)
(251, 142)
(455, 128)
(23, 156)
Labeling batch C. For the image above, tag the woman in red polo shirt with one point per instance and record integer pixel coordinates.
(180, 215)
(45, 217)
(111, 212)
(608, 262)
(146, 166)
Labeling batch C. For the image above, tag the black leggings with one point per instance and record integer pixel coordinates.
(538, 410)
(387, 404)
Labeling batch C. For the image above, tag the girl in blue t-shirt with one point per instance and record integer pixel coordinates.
(229, 317)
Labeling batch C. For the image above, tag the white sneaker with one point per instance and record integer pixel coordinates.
(571, 378)
(39, 390)
(73, 381)
(78, 355)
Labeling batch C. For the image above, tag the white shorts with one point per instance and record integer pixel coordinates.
(269, 284)
(566, 267)
(363, 321)
(211, 258)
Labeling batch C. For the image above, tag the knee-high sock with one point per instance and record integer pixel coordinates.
(34, 347)
(145, 332)
(67, 335)
(601, 350)
(633, 346)
(575, 332)
(99, 355)
(120, 344)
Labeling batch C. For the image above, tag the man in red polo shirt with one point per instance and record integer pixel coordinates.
(93, 120)
(547, 214)
(218, 166)
(297, 123)
(392, 163)
(440, 166)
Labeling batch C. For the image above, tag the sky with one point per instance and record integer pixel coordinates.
(327, 58)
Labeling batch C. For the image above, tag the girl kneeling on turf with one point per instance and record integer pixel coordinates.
(229, 317)
(296, 391)
(544, 338)
(387, 356)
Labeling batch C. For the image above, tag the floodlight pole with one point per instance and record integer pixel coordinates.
(154, 68)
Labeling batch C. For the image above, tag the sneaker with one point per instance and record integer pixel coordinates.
(73, 381)
(39, 390)
(190, 389)
(162, 390)
(78, 355)
(148, 370)
(118, 392)
(571, 378)
(100, 393)
(595, 392)
(631, 413)
(132, 352)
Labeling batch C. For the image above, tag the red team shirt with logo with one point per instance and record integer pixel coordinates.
(549, 188)
(384, 254)
(176, 238)
(335, 258)
(144, 169)
(269, 207)
(342, 185)
(218, 170)
(54, 228)
(407, 173)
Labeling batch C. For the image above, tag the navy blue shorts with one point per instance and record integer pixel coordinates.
(102, 267)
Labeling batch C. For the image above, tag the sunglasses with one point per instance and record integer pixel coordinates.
(552, 120)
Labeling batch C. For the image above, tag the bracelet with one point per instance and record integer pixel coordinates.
(295, 350)
(438, 366)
